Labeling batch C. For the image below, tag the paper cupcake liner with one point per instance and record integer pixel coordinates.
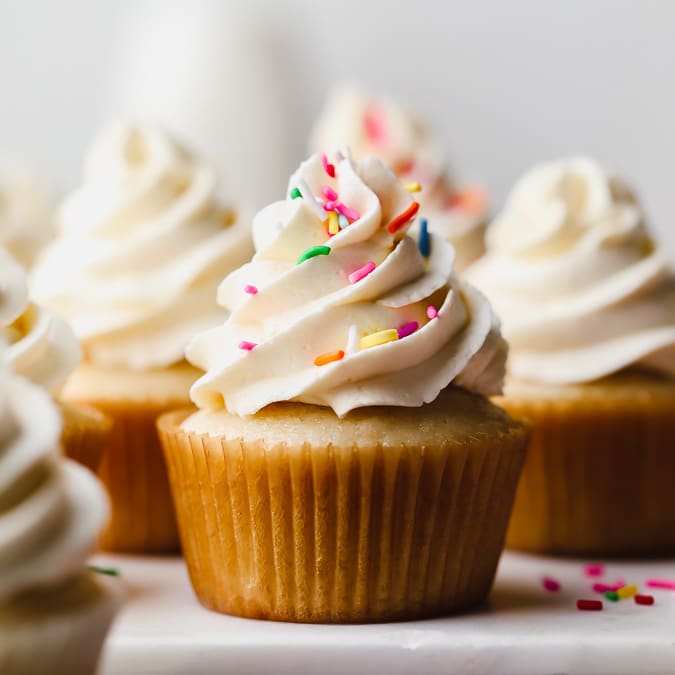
(328, 534)
(57, 632)
(598, 476)
(85, 433)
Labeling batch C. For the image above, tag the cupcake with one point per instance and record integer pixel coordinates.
(345, 465)
(26, 213)
(588, 304)
(54, 612)
(377, 125)
(141, 248)
(42, 348)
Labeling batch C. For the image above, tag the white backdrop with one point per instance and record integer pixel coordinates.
(507, 83)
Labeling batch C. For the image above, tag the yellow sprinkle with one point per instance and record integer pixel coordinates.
(378, 338)
(333, 224)
(627, 591)
(413, 187)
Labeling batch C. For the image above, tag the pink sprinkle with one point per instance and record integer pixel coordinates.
(329, 193)
(247, 346)
(373, 121)
(329, 206)
(407, 329)
(362, 272)
(432, 312)
(352, 214)
(603, 588)
(551, 584)
(661, 583)
(594, 570)
(328, 168)
(250, 288)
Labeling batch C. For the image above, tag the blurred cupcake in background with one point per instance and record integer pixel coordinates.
(43, 348)
(141, 248)
(587, 301)
(378, 125)
(26, 212)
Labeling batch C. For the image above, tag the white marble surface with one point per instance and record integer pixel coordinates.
(523, 630)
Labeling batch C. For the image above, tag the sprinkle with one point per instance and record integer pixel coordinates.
(661, 583)
(627, 591)
(110, 571)
(296, 194)
(644, 599)
(312, 252)
(333, 225)
(342, 221)
(432, 312)
(329, 206)
(310, 199)
(470, 199)
(424, 242)
(407, 329)
(379, 338)
(353, 339)
(551, 584)
(328, 168)
(403, 218)
(362, 272)
(352, 214)
(247, 346)
(251, 289)
(589, 605)
(328, 357)
(373, 122)
(412, 187)
(612, 595)
(329, 193)
(602, 588)
(594, 570)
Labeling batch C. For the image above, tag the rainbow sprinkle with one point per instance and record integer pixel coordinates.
(374, 125)
(424, 241)
(379, 338)
(661, 583)
(296, 194)
(594, 570)
(644, 599)
(329, 206)
(432, 312)
(413, 187)
(362, 272)
(329, 357)
(407, 329)
(351, 214)
(250, 289)
(589, 605)
(109, 571)
(627, 591)
(612, 595)
(342, 221)
(312, 252)
(329, 193)
(333, 223)
(603, 588)
(550, 584)
(310, 200)
(403, 218)
(247, 346)
(328, 168)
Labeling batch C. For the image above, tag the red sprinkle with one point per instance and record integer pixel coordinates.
(403, 218)
(644, 599)
(551, 584)
(328, 168)
(589, 605)
(594, 570)
(661, 583)
(250, 288)
(247, 346)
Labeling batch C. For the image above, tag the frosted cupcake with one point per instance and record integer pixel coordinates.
(54, 613)
(42, 348)
(345, 465)
(26, 213)
(141, 248)
(588, 305)
(377, 125)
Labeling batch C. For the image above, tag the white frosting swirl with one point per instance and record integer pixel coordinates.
(142, 246)
(51, 509)
(379, 126)
(303, 310)
(41, 347)
(26, 217)
(581, 288)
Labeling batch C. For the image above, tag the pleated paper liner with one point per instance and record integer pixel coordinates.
(85, 434)
(132, 467)
(57, 631)
(600, 470)
(343, 533)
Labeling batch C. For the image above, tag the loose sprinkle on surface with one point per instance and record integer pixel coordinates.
(247, 346)
(361, 273)
(661, 583)
(612, 595)
(329, 357)
(594, 570)
(550, 584)
(602, 588)
(424, 242)
(644, 599)
(250, 289)
(627, 591)
(407, 329)
(403, 218)
(109, 571)
(312, 252)
(379, 338)
(589, 605)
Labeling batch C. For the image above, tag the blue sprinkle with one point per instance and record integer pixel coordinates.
(342, 221)
(424, 242)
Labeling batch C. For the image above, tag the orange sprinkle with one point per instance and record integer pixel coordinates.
(403, 218)
(470, 199)
(328, 357)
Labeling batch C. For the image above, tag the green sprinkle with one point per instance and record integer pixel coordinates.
(612, 595)
(312, 252)
(110, 571)
(296, 194)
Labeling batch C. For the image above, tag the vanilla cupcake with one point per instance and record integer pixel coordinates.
(54, 612)
(42, 348)
(588, 305)
(345, 465)
(141, 248)
(377, 125)
(26, 213)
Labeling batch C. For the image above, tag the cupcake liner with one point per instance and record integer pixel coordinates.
(85, 433)
(598, 476)
(57, 631)
(340, 534)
